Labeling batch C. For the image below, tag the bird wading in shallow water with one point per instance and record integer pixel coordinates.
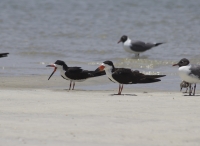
(73, 74)
(189, 73)
(126, 75)
(136, 47)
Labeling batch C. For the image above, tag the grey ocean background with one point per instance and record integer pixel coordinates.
(85, 33)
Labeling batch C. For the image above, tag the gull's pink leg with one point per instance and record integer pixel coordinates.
(73, 86)
(70, 85)
(119, 93)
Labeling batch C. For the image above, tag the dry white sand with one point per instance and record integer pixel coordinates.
(46, 116)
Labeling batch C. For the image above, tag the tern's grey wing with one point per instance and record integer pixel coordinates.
(195, 70)
(139, 46)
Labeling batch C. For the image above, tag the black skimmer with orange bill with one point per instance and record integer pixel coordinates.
(136, 47)
(3, 55)
(126, 75)
(73, 74)
(189, 73)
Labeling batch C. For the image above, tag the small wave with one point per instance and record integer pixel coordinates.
(45, 54)
(143, 63)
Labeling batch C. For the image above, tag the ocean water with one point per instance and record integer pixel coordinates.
(85, 33)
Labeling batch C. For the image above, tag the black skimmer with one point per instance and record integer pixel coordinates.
(3, 54)
(184, 84)
(136, 47)
(126, 75)
(189, 73)
(74, 74)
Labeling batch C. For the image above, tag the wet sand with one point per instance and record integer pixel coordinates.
(37, 113)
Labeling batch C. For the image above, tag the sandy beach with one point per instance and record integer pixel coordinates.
(35, 111)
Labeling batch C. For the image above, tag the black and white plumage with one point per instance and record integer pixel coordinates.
(3, 55)
(184, 84)
(74, 74)
(136, 47)
(189, 73)
(126, 75)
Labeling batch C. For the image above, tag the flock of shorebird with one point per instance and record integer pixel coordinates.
(190, 74)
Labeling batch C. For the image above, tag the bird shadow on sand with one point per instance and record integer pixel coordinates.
(123, 95)
(139, 57)
(75, 90)
(191, 95)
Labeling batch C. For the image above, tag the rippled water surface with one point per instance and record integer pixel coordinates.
(85, 33)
